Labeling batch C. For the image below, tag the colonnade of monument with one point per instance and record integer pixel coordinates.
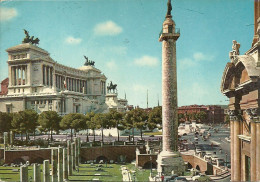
(19, 75)
(47, 73)
(63, 161)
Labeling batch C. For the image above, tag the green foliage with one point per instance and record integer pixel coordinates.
(25, 121)
(155, 118)
(5, 122)
(74, 121)
(116, 120)
(136, 118)
(49, 121)
(89, 119)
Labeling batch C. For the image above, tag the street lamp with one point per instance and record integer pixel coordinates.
(226, 159)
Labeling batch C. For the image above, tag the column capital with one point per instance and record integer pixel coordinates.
(253, 114)
(233, 114)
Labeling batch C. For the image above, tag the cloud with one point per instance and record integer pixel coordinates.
(146, 61)
(111, 65)
(7, 13)
(195, 60)
(72, 40)
(139, 88)
(199, 56)
(107, 28)
(115, 50)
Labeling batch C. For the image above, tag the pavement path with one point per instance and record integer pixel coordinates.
(126, 174)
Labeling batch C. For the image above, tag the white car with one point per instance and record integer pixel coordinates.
(196, 178)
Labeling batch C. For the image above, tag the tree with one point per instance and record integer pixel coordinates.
(136, 119)
(25, 122)
(203, 116)
(5, 122)
(116, 120)
(140, 120)
(155, 118)
(72, 121)
(102, 122)
(181, 117)
(88, 119)
(129, 119)
(49, 121)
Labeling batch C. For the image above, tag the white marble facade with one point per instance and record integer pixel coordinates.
(37, 82)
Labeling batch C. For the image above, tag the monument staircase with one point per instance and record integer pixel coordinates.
(220, 175)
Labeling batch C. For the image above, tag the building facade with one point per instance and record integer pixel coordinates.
(215, 114)
(241, 84)
(36, 81)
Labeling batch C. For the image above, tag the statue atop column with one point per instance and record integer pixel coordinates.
(235, 51)
(89, 62)
(29, 39)
(169, 9)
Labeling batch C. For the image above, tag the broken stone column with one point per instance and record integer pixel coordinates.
(54, 160)
(24, 173)
(60, 164)
(11, 138)
(79, 146)
(76, 151)
(5, 140)
(36, 172)
(69, 157)
(65, 165)
(46, 171)
(73, 156)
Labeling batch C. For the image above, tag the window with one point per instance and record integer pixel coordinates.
(170, 29)
(247, 168)
(8, 109)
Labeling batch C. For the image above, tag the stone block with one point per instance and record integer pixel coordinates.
(24, 173)
(46, 171)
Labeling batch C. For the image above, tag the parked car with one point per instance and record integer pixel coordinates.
(180, 179)
(196, 178)
(170, 178)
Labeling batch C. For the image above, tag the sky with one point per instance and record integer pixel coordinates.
(121, 36)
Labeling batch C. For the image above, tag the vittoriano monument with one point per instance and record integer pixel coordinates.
(169, 160)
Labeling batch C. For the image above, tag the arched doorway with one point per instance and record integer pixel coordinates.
(38, 160)
(189, 165)
(103, 158)
(19, 161)
(147, 165)
(198, 167)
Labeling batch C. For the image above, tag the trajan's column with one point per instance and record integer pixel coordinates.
(169, 160)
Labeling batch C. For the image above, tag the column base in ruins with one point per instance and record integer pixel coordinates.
(169, 163)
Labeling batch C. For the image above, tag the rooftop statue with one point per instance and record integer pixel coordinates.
(89, 62)
(235, 50)
(29, 39)
(169, 9)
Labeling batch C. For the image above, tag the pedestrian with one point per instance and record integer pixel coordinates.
(162, 177)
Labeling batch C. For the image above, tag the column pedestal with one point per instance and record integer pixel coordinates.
(170, 163)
